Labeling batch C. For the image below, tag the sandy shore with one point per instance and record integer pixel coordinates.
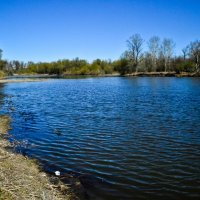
(22, 179)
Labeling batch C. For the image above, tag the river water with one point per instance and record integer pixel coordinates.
(131, 138)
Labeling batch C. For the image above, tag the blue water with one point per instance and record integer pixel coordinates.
(135, 138)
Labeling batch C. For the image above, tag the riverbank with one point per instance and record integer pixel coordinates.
(44, 77)
(22, 179)
(164, 74)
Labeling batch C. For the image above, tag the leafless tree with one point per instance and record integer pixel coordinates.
(134, 44)
(154, 48)
(185, 52)
(194, 52)
(167, 50)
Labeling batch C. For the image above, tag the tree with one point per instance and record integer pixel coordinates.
(167, 50)
(16, 65)
(134, 53)
(148, 63)
(185, 52)
(121, 66)
(194, 52)
(1, 52)
(154, 47)
(3, 64)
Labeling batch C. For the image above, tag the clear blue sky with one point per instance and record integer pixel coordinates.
(47, 30)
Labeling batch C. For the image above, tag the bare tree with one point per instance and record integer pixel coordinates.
(167, 50)
(185, 52)
(154, 48)
(194, 52)
(134, 44)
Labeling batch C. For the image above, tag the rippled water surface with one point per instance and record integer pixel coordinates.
(135, 138)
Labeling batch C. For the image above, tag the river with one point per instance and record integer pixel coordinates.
(128, 137)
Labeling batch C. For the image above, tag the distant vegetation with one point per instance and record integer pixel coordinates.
(159, 57)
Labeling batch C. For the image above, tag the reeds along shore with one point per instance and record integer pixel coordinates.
(22, 179)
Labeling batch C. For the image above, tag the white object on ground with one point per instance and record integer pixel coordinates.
(57, 173)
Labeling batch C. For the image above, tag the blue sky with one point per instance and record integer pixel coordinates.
(48, 30)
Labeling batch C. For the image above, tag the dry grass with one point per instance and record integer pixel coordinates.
(21, 178)
(21, 80)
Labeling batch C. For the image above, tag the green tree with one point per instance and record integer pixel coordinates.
(122, 66)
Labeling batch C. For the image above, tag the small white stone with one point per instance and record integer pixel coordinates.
(57, 173)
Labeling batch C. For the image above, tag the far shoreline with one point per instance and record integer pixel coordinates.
(164, 74)
(19, 78)
(43, 77)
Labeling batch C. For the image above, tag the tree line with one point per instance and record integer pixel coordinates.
(159, 57)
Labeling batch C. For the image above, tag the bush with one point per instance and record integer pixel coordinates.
(187, 66)
(2, 74)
